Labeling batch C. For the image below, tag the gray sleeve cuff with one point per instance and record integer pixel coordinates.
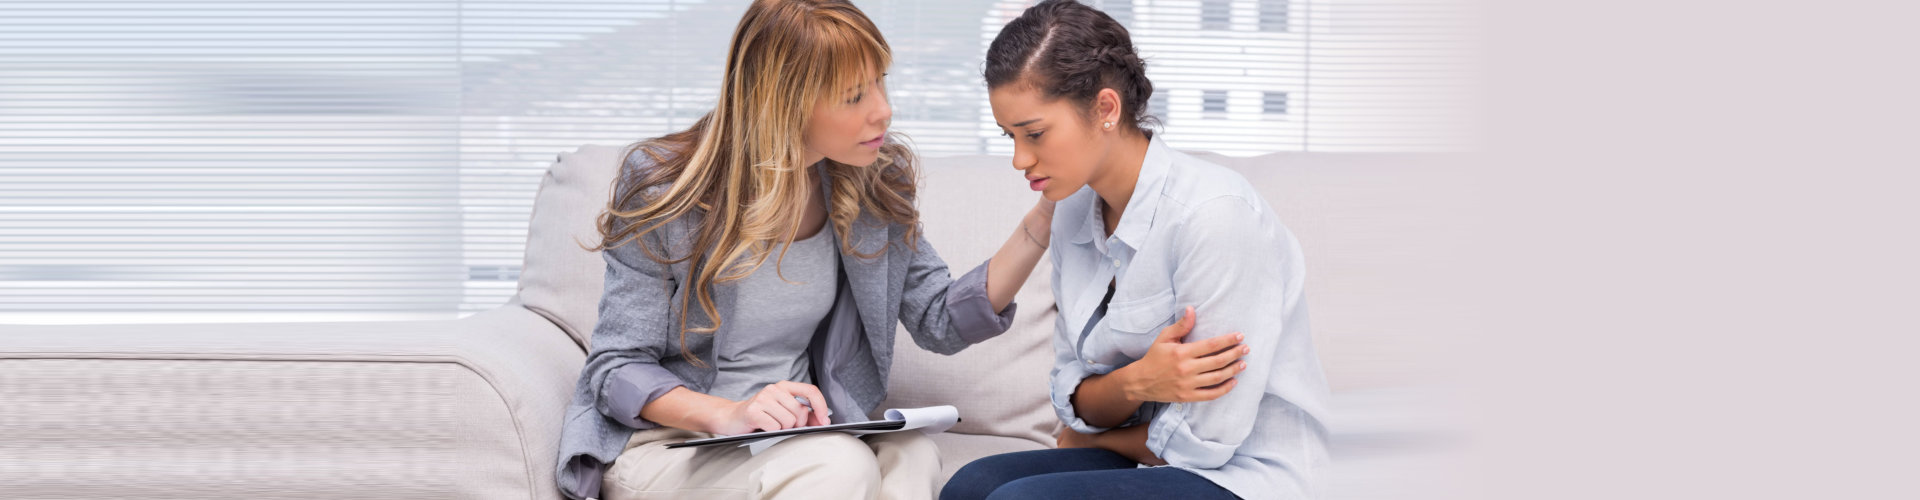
(586, 474)
(630, 387)
(971, 312)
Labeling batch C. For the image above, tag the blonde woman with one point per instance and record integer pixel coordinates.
(757, 263)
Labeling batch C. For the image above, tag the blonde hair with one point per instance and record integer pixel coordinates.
(741, 164)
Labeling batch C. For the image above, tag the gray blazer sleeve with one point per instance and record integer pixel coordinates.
(631, 337)
(622, 371)
(943, 314)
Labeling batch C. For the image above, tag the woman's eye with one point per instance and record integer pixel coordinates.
(856, 98)
(1006, 134)
(1034, 136)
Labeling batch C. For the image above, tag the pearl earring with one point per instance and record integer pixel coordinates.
(1108, 126)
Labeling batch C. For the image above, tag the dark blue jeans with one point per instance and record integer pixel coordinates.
(1073, 473)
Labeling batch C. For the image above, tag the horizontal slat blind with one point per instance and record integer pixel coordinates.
(348, 158)
(1248, 77)
(1389, 75)
(229, 156)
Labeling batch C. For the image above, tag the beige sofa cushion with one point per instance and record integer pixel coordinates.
(466, 408)
(560, 279)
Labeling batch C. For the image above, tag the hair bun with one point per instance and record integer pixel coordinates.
(1116, 55)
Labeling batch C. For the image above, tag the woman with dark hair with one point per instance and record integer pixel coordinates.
(1155, 403)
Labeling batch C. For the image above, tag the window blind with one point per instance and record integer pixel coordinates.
(351, 159)
(181, 157)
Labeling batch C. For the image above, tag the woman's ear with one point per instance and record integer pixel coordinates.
(1106, 107)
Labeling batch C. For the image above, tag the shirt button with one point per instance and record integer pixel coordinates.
(1116, 262)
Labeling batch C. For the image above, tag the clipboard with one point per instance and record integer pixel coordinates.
(874, 425)
(931, 419)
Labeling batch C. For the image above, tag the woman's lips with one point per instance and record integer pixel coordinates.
(1039, 183)
(876, 142)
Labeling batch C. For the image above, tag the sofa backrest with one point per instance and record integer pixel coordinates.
(1379, 231)
(559, 278)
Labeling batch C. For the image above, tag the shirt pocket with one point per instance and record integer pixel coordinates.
(1137, 322)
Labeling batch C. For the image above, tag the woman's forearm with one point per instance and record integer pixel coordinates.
(1130, 442)
(1100, 400)
(682, 408)
(1017, 257)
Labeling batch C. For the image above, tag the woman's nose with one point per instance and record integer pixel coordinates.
(885, 110)
(1022, 158)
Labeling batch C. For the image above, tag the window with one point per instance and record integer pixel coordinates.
(1216, 15)
(337, 160)
(1213, 104)
(1273, 15)
(1273, 103)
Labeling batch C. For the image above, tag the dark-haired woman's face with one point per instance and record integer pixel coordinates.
(1053, 140)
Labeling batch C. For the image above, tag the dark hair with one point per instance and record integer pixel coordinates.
(1066, 49)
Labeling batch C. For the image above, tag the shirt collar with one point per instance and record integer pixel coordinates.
(1138, 217)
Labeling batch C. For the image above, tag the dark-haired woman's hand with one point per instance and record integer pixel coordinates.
(1174, 371)
(1070, 438)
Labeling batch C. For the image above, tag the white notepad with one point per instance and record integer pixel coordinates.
(930, 420)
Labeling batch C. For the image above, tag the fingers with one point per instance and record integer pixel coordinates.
(1179, 329)
(1215, 377)
(780, 414)
(781, 403)
(759, 420)
(818, 415)
(1221, 358)
(1216, 344)
(1213, 392)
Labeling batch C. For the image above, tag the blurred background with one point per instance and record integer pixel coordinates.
(1693, 231)
(325, 160)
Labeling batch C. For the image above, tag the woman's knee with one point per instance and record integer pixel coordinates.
(980, 478)
(833, 457)
(1039, 487)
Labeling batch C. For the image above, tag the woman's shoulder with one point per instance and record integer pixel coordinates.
(642, 170)
(1211, 200)
(1194, 181)
(641, 181)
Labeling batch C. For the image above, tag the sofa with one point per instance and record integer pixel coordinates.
(470, 408)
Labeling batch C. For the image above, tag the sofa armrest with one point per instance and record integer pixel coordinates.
(467, 407)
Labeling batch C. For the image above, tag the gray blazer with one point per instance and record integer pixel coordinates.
(636, 354)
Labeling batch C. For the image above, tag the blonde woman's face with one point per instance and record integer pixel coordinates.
(1052, 143)
(851, 125)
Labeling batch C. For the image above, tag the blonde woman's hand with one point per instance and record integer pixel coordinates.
(773, 408)
(1173, 371)
(1044, 208)
(1038, 223)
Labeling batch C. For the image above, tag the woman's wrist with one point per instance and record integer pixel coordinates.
(1123, 383)
(709, 414)
(1038, 228)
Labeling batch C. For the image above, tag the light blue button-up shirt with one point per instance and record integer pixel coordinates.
(1196, 234)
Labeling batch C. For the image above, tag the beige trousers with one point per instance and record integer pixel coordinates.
(828, 465)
